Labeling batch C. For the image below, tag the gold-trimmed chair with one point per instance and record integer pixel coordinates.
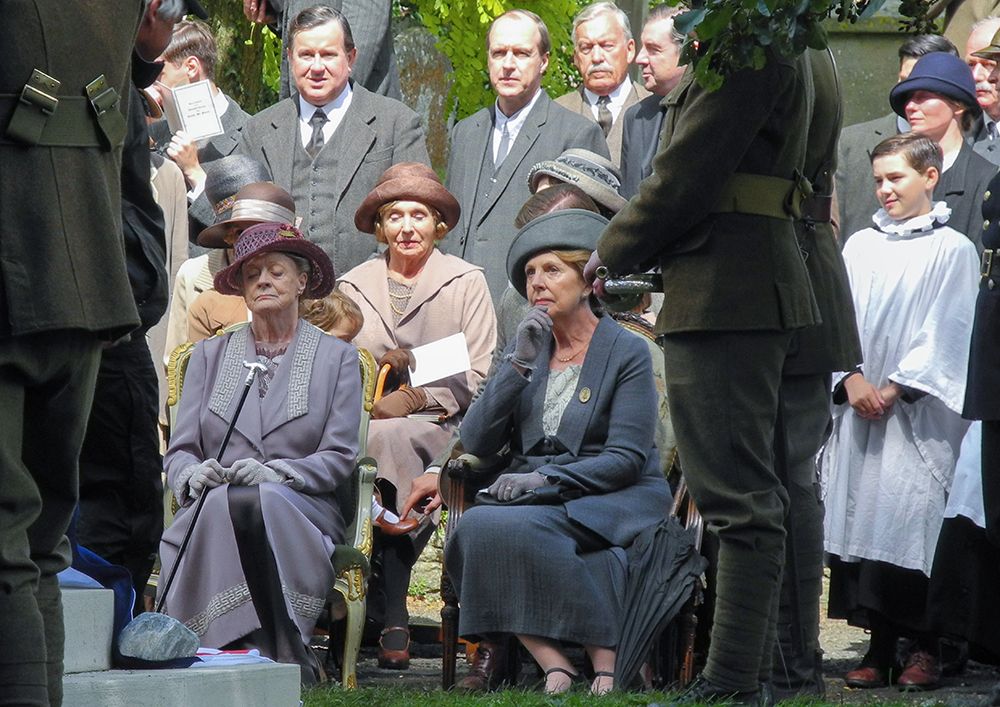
(351, 558)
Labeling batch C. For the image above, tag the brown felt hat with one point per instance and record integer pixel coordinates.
(259, 202)
(407, 181)
(277, 238)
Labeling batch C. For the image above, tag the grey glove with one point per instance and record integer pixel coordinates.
(250, 472)
(532, 333)
(206, 475)
(509, 486)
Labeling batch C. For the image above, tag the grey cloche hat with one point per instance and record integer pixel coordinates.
(596, 175)
(568, 229)
(226, 176)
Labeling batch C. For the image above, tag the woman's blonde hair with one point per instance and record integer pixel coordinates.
(333, 310)
(440, 227)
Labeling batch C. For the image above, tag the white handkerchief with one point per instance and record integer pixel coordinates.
(440, 359)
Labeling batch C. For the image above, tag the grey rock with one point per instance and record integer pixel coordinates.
(153, 636)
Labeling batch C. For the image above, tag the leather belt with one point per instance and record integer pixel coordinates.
(818, 209)
(986, 263)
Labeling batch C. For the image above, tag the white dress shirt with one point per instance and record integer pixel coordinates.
(334, 110)
(513, 123)
(618, 98)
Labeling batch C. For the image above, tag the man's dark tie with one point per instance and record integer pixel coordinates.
(604, 117)
(317, 121)
(504, 147)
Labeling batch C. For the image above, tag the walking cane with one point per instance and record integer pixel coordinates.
(252, 370)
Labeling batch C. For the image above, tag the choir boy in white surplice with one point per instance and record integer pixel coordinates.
(897, 424)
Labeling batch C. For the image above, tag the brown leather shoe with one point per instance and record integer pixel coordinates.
(866, 677)
(922, 672)
(488, 667)
(402, 527)
(393, 659)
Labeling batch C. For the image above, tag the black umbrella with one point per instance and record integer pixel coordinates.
(664, 565)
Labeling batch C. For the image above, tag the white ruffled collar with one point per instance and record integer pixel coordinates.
(937, 216)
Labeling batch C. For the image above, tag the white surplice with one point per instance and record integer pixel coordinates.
(885, 482)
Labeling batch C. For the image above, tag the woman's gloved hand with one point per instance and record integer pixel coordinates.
(401, 361)
(531, 335)
(206, 475)
(509, 486)
(400, 403)
(250, 472)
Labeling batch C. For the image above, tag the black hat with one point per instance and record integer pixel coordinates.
(568, 229)
(226, 176)
(937, 72)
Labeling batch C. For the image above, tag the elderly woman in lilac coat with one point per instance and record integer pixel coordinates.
(258, 569)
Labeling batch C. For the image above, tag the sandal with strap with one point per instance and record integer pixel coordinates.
(573, 677)
(598, 674)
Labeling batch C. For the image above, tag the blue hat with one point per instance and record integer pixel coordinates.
(937, 72)
(567, 229)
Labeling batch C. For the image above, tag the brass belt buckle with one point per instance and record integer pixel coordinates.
(36, 104)
(38, 92)
(104, 100)
(986, 264)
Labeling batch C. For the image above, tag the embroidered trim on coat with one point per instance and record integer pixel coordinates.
(304, 605)
(231, 374)
(301, 373)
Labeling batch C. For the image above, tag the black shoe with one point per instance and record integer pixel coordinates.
(701, 691)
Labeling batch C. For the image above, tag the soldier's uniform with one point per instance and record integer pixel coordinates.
(804, 397)
(716, 215)
(63, 288)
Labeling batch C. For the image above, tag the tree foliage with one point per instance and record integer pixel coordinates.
(737, 34)
(461, 26)
(249, 56)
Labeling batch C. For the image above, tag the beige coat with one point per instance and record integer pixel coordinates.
(575, 102)
(450, 296)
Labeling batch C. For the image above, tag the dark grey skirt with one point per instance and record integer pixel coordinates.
(532, 570)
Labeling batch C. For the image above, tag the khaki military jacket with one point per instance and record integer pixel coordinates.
(721, 271)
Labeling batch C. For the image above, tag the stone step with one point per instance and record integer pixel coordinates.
(259, 685)
(88, 616)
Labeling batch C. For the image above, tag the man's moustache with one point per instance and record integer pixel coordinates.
(599, 67)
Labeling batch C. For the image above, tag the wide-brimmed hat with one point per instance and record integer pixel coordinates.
(992, 51)
(260, 202)
(569, 229)
(937, 72)
(277, 238)
(407, 181)
(595, 175)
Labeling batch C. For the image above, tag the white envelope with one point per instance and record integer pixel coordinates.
(440, 359)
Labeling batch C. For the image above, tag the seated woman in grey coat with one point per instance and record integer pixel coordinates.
(574, 399)
(258, 568)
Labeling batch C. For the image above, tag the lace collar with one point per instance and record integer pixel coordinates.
(937, 216)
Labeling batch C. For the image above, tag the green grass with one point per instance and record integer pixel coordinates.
(417, 697)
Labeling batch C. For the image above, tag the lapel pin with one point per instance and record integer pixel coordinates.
(584, 394)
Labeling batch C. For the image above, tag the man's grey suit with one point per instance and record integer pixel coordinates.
(370, 21)
(486, 227)
(855, 188)
(376, 132)
(641, 127)
(575, 101)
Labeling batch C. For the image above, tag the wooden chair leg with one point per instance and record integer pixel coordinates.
(449, 632)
